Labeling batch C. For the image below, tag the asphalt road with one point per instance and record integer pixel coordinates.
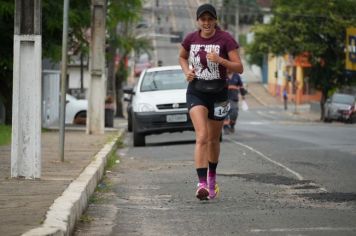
(278, 175)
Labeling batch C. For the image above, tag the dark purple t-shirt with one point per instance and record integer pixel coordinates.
(222, 42)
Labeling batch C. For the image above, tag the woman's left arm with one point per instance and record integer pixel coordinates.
(233, 63)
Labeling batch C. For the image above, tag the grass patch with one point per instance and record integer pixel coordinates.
(119, 142)
(95, 198)
(105, 186)
(99, 194)
(111, 161)
(45, 130)
(112, 158)
(85, 219)
(5, 135)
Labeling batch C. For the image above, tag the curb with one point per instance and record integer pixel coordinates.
(257, 98)
(67, 209)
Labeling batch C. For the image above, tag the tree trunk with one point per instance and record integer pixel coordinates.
(324, 95)
(119, 93)
(120, 77)
(119, 105)
(82, 74)
(111, 71)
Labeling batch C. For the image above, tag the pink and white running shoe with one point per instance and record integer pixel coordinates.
(202, 192)
(213, 187)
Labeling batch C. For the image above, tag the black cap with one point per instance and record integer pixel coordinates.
(206, 8)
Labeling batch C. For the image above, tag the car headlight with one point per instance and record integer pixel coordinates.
(144, 107)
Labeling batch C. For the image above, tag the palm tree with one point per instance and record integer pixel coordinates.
(122, 17)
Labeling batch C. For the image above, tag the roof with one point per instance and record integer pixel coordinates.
(161, 68)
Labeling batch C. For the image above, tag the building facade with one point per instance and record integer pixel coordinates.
(291, 74)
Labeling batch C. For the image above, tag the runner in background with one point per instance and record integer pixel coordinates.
(235, 87)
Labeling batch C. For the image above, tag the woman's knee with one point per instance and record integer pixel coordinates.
(201, 138)
(214, 140)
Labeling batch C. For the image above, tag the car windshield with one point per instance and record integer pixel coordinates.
(163, 80)
(343, 99)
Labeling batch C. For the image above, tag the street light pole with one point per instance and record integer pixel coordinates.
(63, 79)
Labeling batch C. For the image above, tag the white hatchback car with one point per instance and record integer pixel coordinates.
(158, 103)
(76, 110)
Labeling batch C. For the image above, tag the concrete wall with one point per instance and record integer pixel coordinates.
(74, 77)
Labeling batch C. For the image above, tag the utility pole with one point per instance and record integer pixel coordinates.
(63, 79)
(96, 106)
(26, 107)
(237, 21)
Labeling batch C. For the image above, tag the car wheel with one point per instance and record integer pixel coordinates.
(352, 119)
(80, 118)
(138, 139)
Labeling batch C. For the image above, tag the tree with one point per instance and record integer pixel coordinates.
(6, 52)
(52, 26)
(52, 19)
(316, 27)
(122, 16)
(125, 12)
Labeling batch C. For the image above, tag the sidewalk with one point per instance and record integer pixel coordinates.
(53, 203)
(302, 111)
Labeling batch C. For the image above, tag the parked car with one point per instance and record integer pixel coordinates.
(76, 110)
(340, 107)
(158, 103)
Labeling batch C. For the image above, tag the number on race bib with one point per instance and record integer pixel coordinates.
(221, 109)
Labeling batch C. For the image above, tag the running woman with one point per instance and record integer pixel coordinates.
(207, 94)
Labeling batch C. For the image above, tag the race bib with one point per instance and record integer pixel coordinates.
(221, 109)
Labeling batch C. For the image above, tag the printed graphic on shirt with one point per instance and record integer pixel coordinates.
(204, 69)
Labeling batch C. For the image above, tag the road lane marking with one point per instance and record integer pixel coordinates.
(255, 122)
(311, 229)
(265, 115)
(296, 174)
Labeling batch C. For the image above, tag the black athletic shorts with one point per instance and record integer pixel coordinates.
(217, 103)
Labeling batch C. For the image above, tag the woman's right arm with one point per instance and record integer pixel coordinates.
(183, 61)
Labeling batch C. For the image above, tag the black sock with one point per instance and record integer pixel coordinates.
(202, 174)
(212, 167)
